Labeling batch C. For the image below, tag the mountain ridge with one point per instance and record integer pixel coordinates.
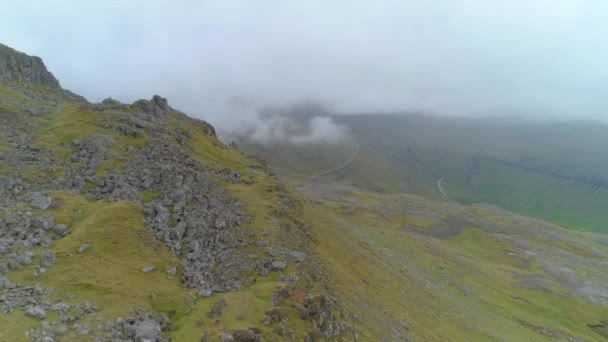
(112, 210)
(18, 66)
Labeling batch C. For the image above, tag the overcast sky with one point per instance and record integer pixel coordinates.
(469, 57)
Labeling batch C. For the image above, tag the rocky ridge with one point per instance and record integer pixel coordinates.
(18, 66)
(186, 208)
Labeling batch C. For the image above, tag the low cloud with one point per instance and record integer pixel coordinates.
(527, 58)
(283, 126)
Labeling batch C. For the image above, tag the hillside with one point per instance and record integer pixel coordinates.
(133, 222)
(460, 272)
(554, 171)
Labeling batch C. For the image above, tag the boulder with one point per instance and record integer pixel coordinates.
(279, 265)
(226, 337)
(47, 258)
(35, 311)
(61, 230)
(247, 335)
(40, 201)
(204, 293)
(297, 256)
(147, 331)
(81, 329)
(84, 247)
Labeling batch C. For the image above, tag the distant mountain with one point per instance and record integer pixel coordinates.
(557, 171)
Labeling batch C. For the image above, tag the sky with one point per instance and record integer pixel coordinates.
(219, 60)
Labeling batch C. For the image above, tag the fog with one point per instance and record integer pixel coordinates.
(221, 60)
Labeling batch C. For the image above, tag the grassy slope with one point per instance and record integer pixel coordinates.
(467, 285)
(109, 275)
(410, 153)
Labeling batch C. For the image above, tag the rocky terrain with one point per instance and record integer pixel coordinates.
(121, 222)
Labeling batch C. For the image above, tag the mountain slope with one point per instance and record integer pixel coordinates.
(462, 273)
(111, 211)
(552, 171)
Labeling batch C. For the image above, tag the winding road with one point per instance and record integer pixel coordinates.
(441, 189)
(345, 164)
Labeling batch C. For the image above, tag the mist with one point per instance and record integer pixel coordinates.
(522, 58)
(282, 128)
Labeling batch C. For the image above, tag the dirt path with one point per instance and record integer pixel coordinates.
(345, 164)
(441, 189)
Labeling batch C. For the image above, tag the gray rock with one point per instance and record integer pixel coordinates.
(13, 264)
(46, 241)
(82, 329)
(18, 66)
(247, 335)
(87, 309)
(61, 329)
(35, 311)
(5, 283)
(124, 192)
(110, 102)
(148, 269)
(60, 307)
(47, 258)
(44, 223)
(291, 278)
(61, 230)
(147, 331)
(204, 293)
(297, 256)
(25, 258)
(83, 248)
(40, 201)
(279, 265)
(226, 337)
(38, 290)
(172, 270)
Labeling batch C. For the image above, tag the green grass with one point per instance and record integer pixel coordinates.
(245, 309)
(110, 271)
(410, 153)
(467, 285)
(109, 274)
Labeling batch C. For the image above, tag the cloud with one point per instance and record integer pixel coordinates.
(530, 58)
(296, 125)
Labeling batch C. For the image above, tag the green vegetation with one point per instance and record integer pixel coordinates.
(476, 286)
(552, 171)
(109, 274)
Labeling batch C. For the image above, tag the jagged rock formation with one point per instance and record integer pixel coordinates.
(18, 66)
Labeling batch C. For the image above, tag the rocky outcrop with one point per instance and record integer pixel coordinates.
(185, 206)
(157, 106)
(18, 66)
